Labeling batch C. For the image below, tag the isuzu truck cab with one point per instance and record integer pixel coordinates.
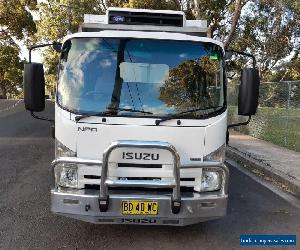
(140, 119)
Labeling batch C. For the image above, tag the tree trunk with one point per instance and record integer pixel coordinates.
(234, 22)
(196, 11)
(210, 31)
(3, 93)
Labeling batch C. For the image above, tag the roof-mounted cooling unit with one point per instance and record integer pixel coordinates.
(145, 17)
(143, 20)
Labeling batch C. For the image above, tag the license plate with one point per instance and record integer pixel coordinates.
(139, 207)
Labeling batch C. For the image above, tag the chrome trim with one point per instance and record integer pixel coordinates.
(138, 183)
(104, 196)
(76, 160)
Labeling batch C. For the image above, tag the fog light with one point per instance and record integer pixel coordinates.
(66, 175)
(211, 181)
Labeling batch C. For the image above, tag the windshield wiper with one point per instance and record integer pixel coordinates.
(110, 111)
(130, 110)
(173, 116)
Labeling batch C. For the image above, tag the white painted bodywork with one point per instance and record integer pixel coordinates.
(193, 139)
(145, 35)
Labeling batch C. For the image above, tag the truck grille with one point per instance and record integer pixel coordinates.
(90, 176)
(127, 165)
(140, 189)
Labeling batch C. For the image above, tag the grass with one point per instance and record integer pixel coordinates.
(277, 125)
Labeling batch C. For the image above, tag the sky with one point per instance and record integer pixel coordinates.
(35, 57)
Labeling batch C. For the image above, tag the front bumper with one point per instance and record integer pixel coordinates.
(105, 205)
(195, 207)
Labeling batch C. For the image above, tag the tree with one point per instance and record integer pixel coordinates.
(16, 23)
(146, 4)
(57, 19)
(16, 20)
(10, 71)
(268, 30)
(220, 16)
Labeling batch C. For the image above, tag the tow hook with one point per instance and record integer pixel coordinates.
(103, 204)
(175, 206)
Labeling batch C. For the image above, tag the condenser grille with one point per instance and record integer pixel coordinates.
(146, 18)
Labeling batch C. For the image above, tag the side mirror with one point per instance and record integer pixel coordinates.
(34, 87)
(248, 92)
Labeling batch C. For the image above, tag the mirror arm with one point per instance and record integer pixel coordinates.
(54, 44)
(236, 125)
(239, 124)
(41, 118)
(244, 54)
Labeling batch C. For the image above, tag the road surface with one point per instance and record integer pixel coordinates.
(26, 149)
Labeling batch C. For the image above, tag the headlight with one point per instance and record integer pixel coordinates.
(66, 175)
(211, 180)
(217, 155)
(62, 151)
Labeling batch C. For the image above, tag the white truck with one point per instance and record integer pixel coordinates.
(140, 119)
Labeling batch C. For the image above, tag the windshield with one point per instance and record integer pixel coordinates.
(161, 77)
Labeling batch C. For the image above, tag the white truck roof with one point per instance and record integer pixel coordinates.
(145, 35)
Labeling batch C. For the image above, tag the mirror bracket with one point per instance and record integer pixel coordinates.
(41, 118)
(244, 54)
(239, 124)
(236, 125)
(55, 45)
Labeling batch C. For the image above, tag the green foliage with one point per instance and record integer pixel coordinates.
(10, 71)
(16, 23)
(145, 4)
(268, 29)
(57, 18)
(214, 12)
(287, 71)
(15, 19)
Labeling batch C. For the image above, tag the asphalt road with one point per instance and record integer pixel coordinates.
(26, 149)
